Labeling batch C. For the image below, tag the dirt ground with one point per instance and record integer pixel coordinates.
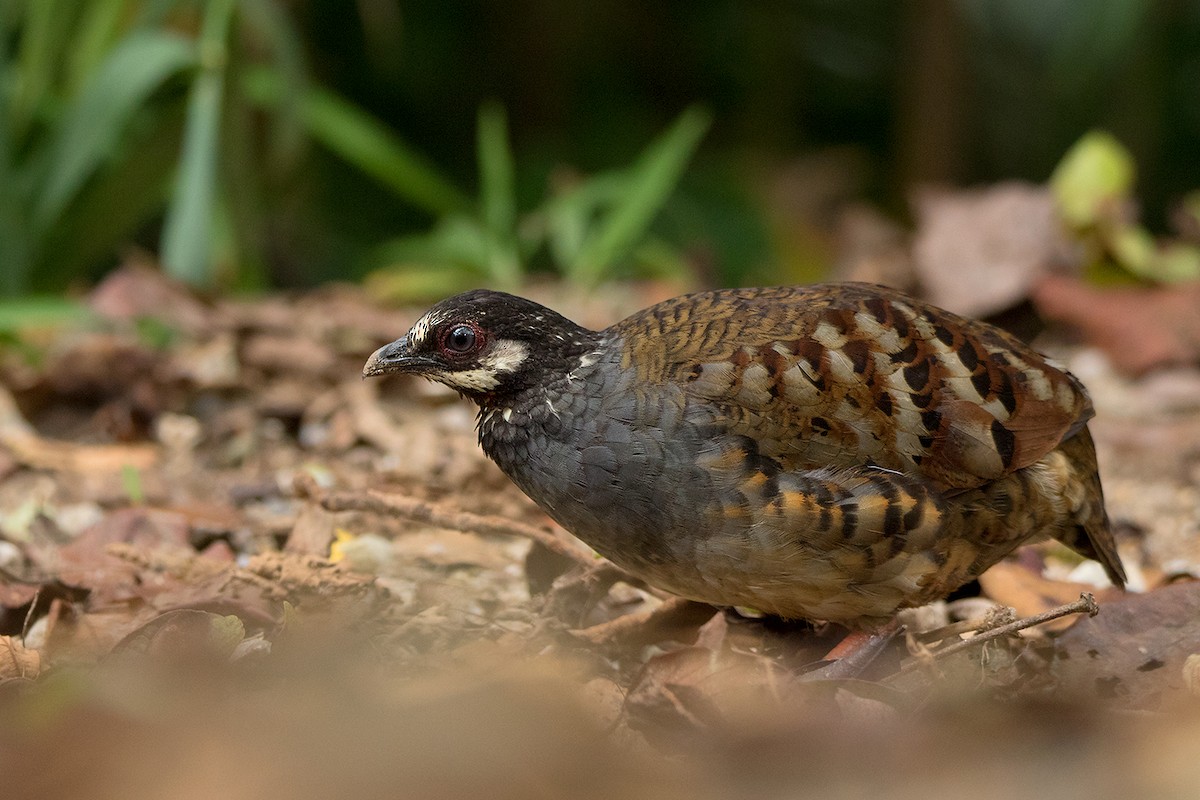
(222, 550)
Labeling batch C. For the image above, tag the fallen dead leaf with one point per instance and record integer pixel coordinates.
(1132, 654)
(1138, 328)
(978, 252)
(279, 352)
(16, 661)
(1026, 592)
(87, 562)
(448, 550)
(183, 636)
(15, 595)
(137, 290)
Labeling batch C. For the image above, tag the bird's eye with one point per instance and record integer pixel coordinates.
(460, 339)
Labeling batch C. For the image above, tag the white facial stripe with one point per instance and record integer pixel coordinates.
(474, 380)
(420, 329)
(505, 356)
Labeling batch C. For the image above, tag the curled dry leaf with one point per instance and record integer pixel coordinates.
(184, 635)
(16, 661)
(1191, 674)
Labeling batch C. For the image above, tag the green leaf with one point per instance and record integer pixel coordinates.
(651, 181)
(131, 481)
(367, 143)
(498, 195)
(94, 122)
(569, 217)
(657, 259)
(411, 283)
(187, 232)
(43, 38)
(1136, 251)
(98, 28)
(1094, 174)
(40, 312)
(16, 250)
(97, 227)
(225, 633)
(1133, 248)
(375, 149)
(456, 240)
(271, 22)
(1177, 263)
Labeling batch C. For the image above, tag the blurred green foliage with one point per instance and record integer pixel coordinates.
(115, 115)
(589, 226)
(1093, 187)
(286, 142)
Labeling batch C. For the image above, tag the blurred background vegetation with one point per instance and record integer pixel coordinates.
(433, 144)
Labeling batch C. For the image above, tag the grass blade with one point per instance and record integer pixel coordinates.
(42, 39)
(37, 312)
(650, 183)
(367, 143)
(92, 126)
(568, 217)
(99, 27)
(498, 195)
(268, 20)
(187, 232)
(375, 149)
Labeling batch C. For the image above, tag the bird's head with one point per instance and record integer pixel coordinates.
(485, 345)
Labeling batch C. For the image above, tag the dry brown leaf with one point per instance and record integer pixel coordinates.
(16, 661)
(1132, 654)
(88, 562)
(313, 531)
(137, 290)
(15, 595)
(1138, 328)
(447, 549)
(183, 636)
(978, 252)
(1010, 584)
(289, 355)
(86, 637)
(24, 446)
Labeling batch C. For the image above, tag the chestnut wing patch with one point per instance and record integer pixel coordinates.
(851, 374)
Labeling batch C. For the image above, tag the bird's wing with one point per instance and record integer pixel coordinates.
(852, 374)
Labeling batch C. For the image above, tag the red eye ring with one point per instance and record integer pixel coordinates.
(461, 339)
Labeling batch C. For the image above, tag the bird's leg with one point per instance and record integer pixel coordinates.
(853, 654)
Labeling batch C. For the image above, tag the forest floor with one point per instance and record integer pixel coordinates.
(221, 550)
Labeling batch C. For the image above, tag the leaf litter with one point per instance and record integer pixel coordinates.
(218, 537)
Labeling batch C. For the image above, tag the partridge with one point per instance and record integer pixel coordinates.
(831, 452)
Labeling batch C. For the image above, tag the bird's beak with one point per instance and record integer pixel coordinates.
(394, 357)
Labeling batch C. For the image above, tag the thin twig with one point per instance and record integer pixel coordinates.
(382, 503)
(1085, 604)
(639, 624)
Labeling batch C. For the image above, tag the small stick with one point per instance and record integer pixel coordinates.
(1085, 603)
(636, 625)
(382, 503)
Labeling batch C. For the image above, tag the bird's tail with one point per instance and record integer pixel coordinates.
(1091, 536)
